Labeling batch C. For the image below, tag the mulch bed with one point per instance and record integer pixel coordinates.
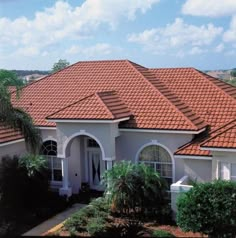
(149, 227)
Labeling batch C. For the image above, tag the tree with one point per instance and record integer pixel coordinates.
(134, 188)
(233, 73)
(209, 208)
(14, 117)
(61, 64)
(9, 78)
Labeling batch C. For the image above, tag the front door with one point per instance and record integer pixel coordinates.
(95, 168)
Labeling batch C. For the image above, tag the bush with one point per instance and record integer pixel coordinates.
(80, 221)
(134, 188)
(77, 222)
(209, 208)
(96, 226)
(162, 233)
(22, 185)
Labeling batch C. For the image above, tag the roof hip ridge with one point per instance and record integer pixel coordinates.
(220, 132)
(103, 104)
(218, 87)
(164, 96)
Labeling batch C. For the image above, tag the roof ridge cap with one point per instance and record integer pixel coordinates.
(216, 86)
(158, 91)
(167, 99)
(220, 133)
(222, 126)
(104, 105)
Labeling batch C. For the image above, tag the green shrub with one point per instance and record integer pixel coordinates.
(76, 222)
(81, 219)
(209, 208)
(23, 192)
(96, 226)
(162, 233)
(134, 188)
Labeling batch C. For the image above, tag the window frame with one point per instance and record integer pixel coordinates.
(155, 143)
(230, 176)
(50, 159)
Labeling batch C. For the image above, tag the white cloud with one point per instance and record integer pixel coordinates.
(176, 36)
(196, 51)
(219, 48)
(230, 34)
(62, 21)
(91, 51)
(209, 8)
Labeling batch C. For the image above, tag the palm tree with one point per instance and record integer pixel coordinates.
(130, 186)
(16, 118)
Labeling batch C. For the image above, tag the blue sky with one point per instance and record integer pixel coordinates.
(155, 33)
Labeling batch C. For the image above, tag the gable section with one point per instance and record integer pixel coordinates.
(98, 106)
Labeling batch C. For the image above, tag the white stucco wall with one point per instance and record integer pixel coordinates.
(103, 133)
(198, 169)
(74, 164)
(129, 143)
(12, 149)
(48, 134)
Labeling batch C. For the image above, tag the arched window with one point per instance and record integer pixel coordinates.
(49, 150)
(159, 159)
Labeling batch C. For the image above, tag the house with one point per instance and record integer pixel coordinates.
(92, 114)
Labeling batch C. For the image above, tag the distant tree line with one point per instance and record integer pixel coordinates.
(22, 73)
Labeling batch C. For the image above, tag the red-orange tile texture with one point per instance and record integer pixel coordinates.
(174, 99)
(98, 106)
(224, 137)
(151, 109)
(8, 134)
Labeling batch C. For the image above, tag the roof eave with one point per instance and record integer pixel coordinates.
(56, 120)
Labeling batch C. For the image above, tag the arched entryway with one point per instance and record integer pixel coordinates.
(85, 162)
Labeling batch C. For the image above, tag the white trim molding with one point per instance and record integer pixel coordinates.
(193, 157)
(11, 142)
(83, 133)
(46, 128)
(162, 131)
(87, 121)
(218, 149)
(154, 142)
(49, 138)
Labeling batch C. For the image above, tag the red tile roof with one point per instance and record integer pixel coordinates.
(212, 99)
(98, 106)
(151, 109)
(8, 134)
(168, 99)
(224, 137)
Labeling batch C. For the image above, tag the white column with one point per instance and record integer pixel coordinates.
(109, 165)
(64, 165)
(65, 190)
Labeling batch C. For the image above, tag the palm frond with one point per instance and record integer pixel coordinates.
(18, 119)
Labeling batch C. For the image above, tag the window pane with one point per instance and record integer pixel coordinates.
(224, 170)
(158, 158)
(57, 175)
(92, 143)
(56, 163)
(233, 169)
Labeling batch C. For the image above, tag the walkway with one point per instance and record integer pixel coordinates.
(52, 222)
